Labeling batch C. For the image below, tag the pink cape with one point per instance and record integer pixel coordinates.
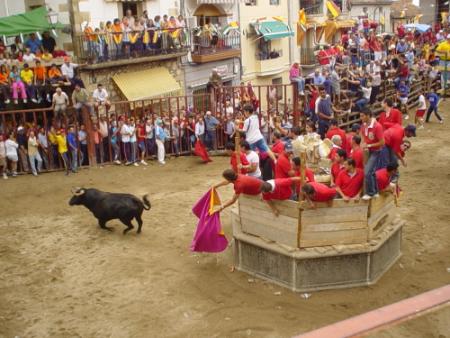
(209, 236)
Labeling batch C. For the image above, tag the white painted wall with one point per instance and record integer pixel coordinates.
(357, 10)
(100, 10)
(11, 7)
(161, 7)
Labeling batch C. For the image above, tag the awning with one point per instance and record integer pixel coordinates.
(209, 10)
(26, 23)
(345, 24)
(218, 1)
(271, 30)
(147, 84)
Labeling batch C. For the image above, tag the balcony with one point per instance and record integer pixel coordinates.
(208, 49)
(308, 57)
(270, 64)
(101, 50)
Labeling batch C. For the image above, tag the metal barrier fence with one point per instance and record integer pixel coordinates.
(178, 113)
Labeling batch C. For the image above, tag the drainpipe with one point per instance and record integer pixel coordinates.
(241, 38)
(6, 9)
(291, 50)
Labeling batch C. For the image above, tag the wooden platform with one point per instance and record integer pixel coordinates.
(330, 224)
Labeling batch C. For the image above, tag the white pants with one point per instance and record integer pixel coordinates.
(161, 150)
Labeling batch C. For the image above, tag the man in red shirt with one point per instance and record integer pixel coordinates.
(373, 141)
(350, 181)
(243, 184)
(385, 176)
(278, 145)
(318, 192)
(283, 167)
(230, 151)
(395, 149)
(338, 165)
(357, 153)
(390, 116)
(335, 130)
(349, 137)
(278, 189)
(337, 145)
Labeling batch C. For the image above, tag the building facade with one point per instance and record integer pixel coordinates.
(375, 10)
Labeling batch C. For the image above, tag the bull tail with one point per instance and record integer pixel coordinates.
(147, 205)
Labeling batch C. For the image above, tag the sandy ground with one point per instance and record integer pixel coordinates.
(61, 276)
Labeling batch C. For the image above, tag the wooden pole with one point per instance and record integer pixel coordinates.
(300, 208)
(237, 145)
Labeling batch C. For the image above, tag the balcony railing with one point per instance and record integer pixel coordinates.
(214, 48)
(104, 47)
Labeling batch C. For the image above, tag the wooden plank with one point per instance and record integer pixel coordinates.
(378, 203)
(381, 212)
(336, 226)
(312, 239)
(286, 208)
(340, 203)
(331, 215)
(266, 217)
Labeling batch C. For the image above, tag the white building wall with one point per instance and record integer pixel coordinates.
(99, 10)
(161, 7)
(11, 7)
(373, 14)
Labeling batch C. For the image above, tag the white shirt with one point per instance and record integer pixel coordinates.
(199, 129)
(60, 99)
(29, 58)
(148, 131)
(132, 129)
(422, 103)
(126, 133)
(367, 91)
(11, 148)
(272, 183)
(253, 158)
(68, 70)
(100, 95)
(251, 128)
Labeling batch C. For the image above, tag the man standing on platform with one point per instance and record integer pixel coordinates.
(372, 133)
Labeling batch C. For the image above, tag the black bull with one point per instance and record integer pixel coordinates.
(107, 206)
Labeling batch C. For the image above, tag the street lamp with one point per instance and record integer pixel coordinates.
(52, 17)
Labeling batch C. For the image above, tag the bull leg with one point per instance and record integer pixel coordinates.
(102, 224)
(127, 222)
(139, 220)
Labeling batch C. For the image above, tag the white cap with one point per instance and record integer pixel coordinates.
(208, 113)
(20, 128)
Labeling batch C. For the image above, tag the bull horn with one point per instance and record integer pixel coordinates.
(78, 191)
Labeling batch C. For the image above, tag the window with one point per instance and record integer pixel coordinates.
(250, 2)
(266, 52)
(274, 2)
(312, 6)
(135, 7)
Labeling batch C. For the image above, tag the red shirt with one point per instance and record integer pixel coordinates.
(233, 162)
(394, 117)
(337, 131)
(278, 147)
(283, 166)
(323, 193)
(282, 190)
(393, 138)
(358, 156)
(141, 131)
(372, 133)
(323, 57)
(247, 185)
(333, 153)
(309, 177)
(313, 99)
(348, 142)
(383, 179)
(350, 185)
(336, 168)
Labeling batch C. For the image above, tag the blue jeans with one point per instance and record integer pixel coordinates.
(210, 139)
(361, 103)
(261, 145)
(300, 83)
(369, 172)
(74, 154)
(33, 159)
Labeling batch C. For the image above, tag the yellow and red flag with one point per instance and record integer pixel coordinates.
(333, 9)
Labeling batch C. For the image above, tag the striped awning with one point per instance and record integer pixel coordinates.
(147, 84)
(218, 1)
(270, 30)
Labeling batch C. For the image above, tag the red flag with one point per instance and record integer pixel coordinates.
(201, 151)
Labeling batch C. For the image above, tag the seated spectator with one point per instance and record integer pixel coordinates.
(55, 76)
(338, 165)
(278, 189)
(59, 53)
(33, 43)
(357, 153)
(335, 130)
(48, 42)
(27, 77)
(100, 97)
(60, 102)
(17, 85)
(28, 56)
(4, 83)
(46, 56)
(68, 72)
(337, 145)
(40, 79)
(349, 183)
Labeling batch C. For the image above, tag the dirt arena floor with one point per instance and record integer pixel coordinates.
(62, 276)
